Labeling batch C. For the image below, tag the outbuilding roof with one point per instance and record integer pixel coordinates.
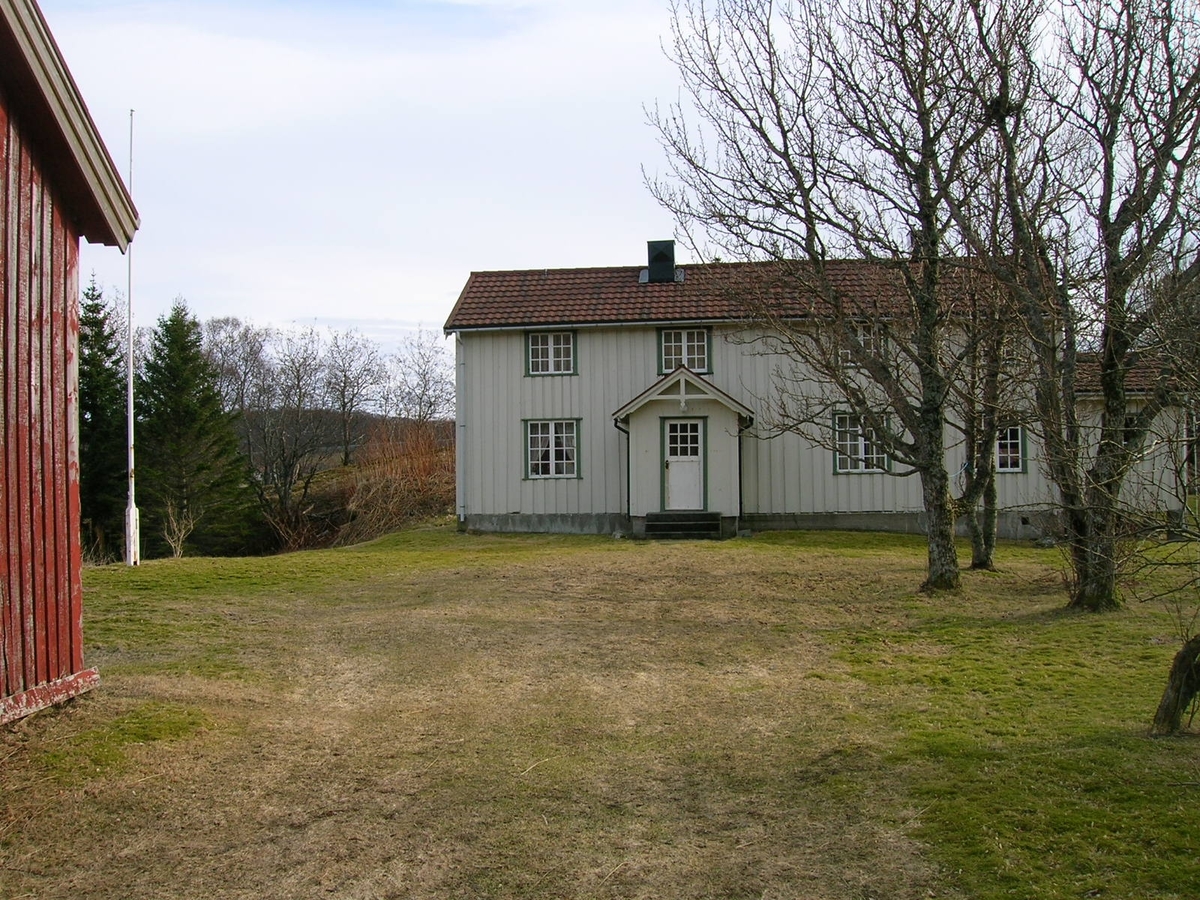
(37, 84)
(701, 292)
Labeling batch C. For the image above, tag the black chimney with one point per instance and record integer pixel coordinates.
(662, 261)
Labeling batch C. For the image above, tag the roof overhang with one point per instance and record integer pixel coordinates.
(583, 326)
(683, 386)
(39, 84)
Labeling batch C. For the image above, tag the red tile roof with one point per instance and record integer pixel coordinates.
(708, 292)
(1142, 377)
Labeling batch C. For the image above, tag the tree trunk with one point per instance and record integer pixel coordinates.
(1094, 559)
(939, 509)
(983, 530)
(1095, 587)
(983, 540)
(1182, 686)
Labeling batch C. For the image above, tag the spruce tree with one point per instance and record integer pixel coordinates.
(103, 470)
(192, 478)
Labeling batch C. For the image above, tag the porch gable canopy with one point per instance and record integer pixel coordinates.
(683, 385)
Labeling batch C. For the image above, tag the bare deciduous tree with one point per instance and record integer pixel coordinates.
(986, 400)
(239, 352)
(288, 430)
(1160, 556)
(406, 470)
(1052, 144)
(304, 400)
(420, 379)
(1094, 113)
(353, 379)
(832, 130)
(179, 521)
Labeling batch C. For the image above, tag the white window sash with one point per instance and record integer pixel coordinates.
(1009, 455)
(552, 353)
(552, 448)
(685, 347)
(857, 449)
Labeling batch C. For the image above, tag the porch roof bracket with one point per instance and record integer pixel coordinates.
(683, 383)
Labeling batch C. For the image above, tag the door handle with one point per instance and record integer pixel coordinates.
(666, 464)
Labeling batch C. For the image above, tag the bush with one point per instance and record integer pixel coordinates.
(404, 473)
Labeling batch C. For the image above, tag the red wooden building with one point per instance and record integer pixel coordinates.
(57, 184)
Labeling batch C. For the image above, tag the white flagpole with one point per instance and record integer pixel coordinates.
(133, 555)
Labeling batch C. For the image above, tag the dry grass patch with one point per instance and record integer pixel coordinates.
(436, 715)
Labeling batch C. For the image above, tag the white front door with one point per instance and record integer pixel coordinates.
(683, 464)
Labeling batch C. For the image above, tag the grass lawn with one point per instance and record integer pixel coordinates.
(436, 715)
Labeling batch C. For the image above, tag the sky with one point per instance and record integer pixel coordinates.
(348, 164)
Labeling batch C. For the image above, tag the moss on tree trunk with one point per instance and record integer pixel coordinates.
(1182, 685)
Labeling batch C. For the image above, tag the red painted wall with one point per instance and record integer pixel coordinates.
(41, 642)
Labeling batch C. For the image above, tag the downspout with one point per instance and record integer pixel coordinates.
(460, 446)
(741, 484)
(628, 487)
(742, 429)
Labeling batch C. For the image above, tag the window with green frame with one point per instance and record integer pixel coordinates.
(688, 347)
(551, 448)
(856, 448)
(1010, 449)
(550, 352)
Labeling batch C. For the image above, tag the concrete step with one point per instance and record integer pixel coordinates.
(675, 525)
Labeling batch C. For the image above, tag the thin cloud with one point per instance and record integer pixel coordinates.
(367, 156)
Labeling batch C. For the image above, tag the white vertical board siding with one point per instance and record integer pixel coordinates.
(615, 364)
(645, 464)
(786, 473)
(1158, 478)
(497, 397)
(461, 417)
(492, 400)
(1154, 481)
(721, 458)
(779, 473)
(720, 454)
(1030, 489)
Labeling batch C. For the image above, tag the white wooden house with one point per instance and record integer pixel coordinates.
(614, 400)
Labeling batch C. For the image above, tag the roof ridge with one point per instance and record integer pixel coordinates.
(711, 292)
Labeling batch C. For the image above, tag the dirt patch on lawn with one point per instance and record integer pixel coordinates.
(588, 721)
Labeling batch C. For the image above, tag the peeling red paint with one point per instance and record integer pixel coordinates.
(41, 640)
(44, 695)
